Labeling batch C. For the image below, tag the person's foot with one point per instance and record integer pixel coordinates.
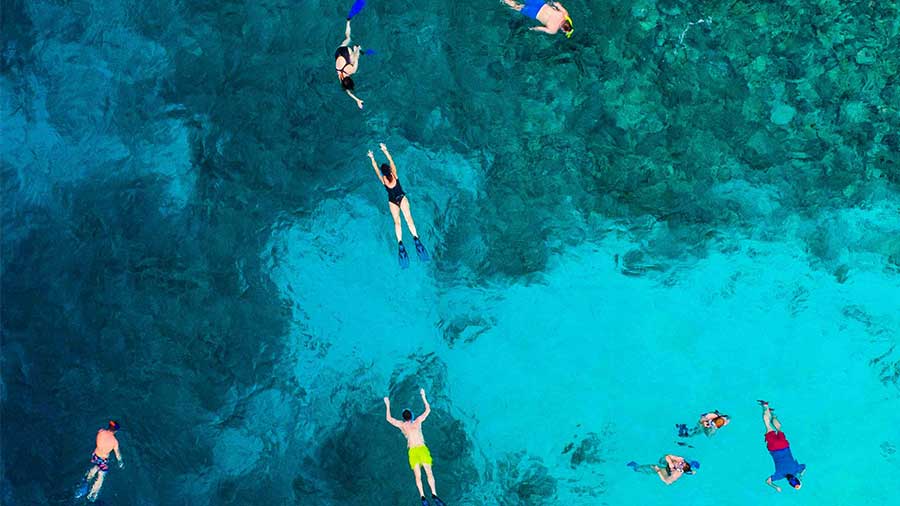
(437, 500)
(762, 402)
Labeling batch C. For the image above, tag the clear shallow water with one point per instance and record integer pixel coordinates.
(628, 228)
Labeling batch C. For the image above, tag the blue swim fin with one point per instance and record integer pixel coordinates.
(370, 52)
(403, 256)
(420, 250)
(425, 502)
(633, 465)
(82, 489)
(357, 6)
(437, 500)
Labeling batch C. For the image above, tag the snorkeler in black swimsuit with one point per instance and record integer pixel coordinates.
(395, 194)
(351, 59)
(398, 203)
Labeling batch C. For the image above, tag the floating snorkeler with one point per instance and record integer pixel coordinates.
(106, 443)
(708, 424)
(398, 202)
(780, 450)
(553, 15)
(669, 470)
(346, 60)
(419, 456)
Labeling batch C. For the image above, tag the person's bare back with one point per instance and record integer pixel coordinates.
(106, 443)
(552, 16)
(413, 432)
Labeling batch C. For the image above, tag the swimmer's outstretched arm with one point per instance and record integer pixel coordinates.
(377, 174)
(359, 103)
(558, 6)
(390, 158)
(427, 411)
(346, 34)
(544, 29)
(119, 455)
(387, 406)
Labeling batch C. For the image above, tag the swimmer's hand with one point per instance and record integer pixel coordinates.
(387, 402)
(121, 464)
(359, 103)
(777, 488)
(372, 156)
(383, 147)
(421, 390)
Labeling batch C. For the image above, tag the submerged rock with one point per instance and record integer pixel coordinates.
(782, 114)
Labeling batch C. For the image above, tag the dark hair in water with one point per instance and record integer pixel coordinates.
(386, 171)
(566, 26)
(113, 425)
(347, 83)
(793, 480)
(407, 415)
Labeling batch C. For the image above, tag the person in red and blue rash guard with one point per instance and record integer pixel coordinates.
(786, 466)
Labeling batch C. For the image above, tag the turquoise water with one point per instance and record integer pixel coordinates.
(653, 219)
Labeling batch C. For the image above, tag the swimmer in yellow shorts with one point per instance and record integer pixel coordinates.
(419, 456)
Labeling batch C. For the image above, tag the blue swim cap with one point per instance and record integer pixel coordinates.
(694, 464)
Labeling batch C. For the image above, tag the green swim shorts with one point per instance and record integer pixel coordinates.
(419, 455)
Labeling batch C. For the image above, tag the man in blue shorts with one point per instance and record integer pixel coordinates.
(786, 466)
(552, 15)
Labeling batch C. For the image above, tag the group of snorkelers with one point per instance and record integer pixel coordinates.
(554, 18)
(672, 467)
(669, 469)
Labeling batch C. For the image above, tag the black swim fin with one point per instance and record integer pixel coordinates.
(425, 502)
(682, 430)
(437, 500)
(423, 256)
(403, 256)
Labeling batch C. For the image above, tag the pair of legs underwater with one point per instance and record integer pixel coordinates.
(769, 418)
(417, 471)
(403, 207)
(96, 473)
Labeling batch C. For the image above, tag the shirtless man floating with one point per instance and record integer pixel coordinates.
(419, 456)
(552, 15)
(106, 443)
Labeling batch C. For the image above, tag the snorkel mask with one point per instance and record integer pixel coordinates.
(570, 32)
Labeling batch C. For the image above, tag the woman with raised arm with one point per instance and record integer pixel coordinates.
(397, 202)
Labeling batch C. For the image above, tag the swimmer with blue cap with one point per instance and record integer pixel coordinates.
(552, 15)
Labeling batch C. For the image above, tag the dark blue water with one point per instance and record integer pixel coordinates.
(193, 244)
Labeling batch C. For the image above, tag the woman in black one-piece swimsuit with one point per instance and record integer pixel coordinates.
(397, 202)
(346, 63)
